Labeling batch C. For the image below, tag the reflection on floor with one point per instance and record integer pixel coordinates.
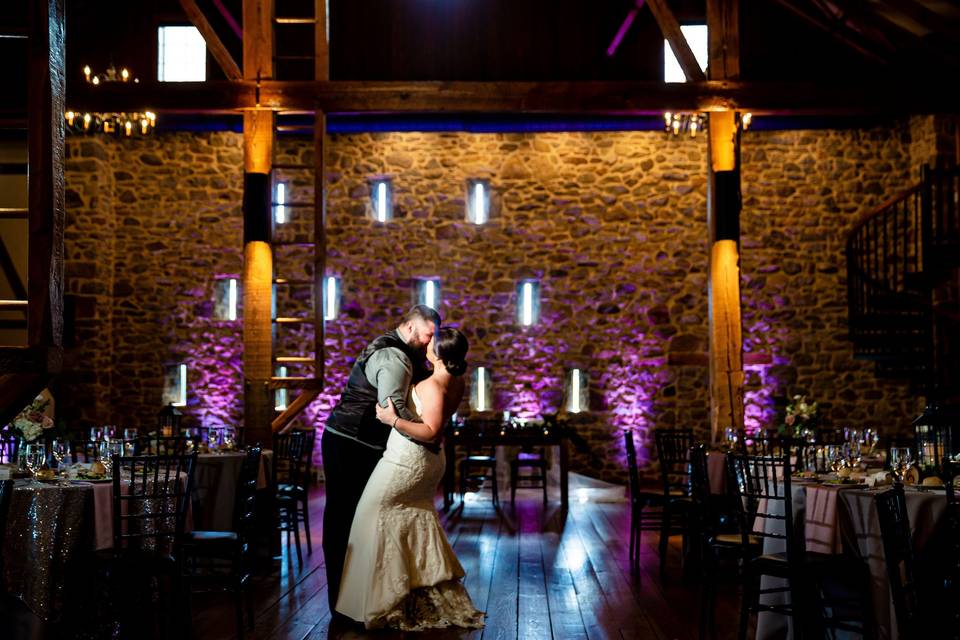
(536, 572)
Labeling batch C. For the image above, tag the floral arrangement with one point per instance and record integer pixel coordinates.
(32, 421)
(800, 416)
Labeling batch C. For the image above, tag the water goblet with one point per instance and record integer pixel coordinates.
(36, 456)
(96, 434)
(898, 462)
(59, 450)
(834, 457)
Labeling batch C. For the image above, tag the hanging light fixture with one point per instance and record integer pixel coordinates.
(118, 123)
(680, 123)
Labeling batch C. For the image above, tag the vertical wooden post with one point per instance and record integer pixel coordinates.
(321, 73)
(46, 187)
(723, 217)
(258, 131)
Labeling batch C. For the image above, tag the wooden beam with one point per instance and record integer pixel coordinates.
(926, 18)
(832, 31)
(321, 45)
(723, 39)
(342, 97)
(41, 359)
(219, 52)
(320, 244)
(17, 390)
(45, 136)
(284, 421)
(257, 39)
(678, 43)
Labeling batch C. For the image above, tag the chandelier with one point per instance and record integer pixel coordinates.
(693, 123)
(116, 123)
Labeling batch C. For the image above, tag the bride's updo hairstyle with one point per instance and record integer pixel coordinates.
(452, 346)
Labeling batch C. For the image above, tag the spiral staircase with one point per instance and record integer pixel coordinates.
(903, 261)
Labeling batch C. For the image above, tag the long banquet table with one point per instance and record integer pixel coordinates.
(482, 438)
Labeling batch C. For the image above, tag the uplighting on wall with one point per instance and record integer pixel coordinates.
(280, 202)
(578, 391)
(481, 395)
(175, 385)
(381, 199)
(528, 302)
(227, 293)
(428, 293)
(331, 297)
(478, 201)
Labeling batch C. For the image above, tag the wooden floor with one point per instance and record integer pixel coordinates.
(535, 573)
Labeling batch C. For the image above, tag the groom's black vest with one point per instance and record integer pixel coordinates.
(355, 415)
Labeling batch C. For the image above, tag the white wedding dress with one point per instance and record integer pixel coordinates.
(400, 571)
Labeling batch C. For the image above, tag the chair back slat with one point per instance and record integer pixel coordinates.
(762, 484)
(673, 451)
(245, 504)
(699, 475)
(898, 555)
(150, 499)
(633, 472)
(288, 453)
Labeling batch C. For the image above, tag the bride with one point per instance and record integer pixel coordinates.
(400, 571)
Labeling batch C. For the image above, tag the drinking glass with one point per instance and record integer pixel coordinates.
(871, 438)
(228, 438)
(834, 457)
(852, 453)
(96, 434)
(59, 449)
(899, 461)
(110, 431)
(36, 456)
(130, 434)
(107, 450)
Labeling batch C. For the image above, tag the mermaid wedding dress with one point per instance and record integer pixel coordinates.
(400, 571)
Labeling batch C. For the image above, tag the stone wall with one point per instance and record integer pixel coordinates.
(613, 225)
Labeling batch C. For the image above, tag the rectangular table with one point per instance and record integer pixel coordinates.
(471, 438)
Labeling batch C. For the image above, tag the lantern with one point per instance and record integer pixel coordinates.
(168, 421)
(937, 431)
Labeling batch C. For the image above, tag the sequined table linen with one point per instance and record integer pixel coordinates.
(49, 527)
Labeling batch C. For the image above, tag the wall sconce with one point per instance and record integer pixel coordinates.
(280, 202)
(226, 295)
(577, 391)
(175, 385)
(381, 199)
(331, 297)
(428, 293)
(528, 302)
(478, 201)
(481, 393)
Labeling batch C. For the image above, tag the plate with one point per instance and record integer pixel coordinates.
(92, 480)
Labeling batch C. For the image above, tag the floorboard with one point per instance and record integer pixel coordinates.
(538, 573)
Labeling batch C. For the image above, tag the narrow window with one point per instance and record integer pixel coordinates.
(181, 54)
(280, 202)
(280, 397)
(428, 293)
(578, 392)
(481, 395)
(478, 201)
(381, 199)
(331, 297)
(175, 385)
(225, 301)
(528, 302)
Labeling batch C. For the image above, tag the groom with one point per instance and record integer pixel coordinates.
(354, 439)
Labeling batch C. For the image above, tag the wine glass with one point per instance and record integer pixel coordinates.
(96, 434)
(36, 456)
(59, 449)
(834, 457)
(900, 459)
(852, 453)
(871, 438)
(228, 439)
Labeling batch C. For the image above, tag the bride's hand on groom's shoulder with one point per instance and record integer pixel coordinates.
(387, 415)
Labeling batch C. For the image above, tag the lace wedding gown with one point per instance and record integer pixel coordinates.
(400, 571)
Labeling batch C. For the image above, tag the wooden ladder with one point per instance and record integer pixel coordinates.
(294, 235)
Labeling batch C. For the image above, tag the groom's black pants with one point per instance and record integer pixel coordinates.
(347, 466)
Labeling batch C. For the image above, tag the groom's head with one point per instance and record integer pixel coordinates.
(418, 326)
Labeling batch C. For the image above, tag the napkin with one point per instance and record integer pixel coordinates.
(879, 479)
(6, 472)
